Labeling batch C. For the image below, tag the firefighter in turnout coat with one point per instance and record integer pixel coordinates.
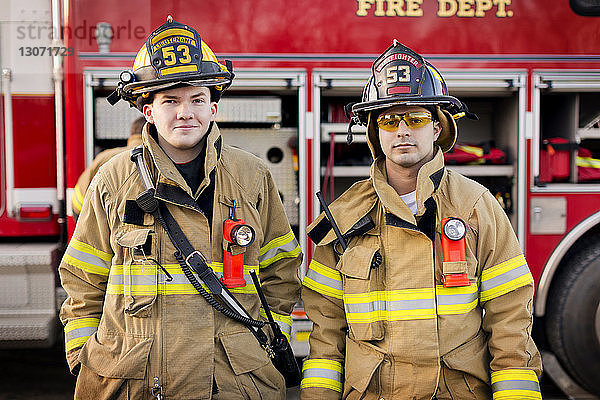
(135, 327)
(432, 297)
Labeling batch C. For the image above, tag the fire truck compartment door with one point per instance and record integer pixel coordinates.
(548, 215)
(27, 292)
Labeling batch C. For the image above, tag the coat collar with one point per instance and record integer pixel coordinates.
(428, 181)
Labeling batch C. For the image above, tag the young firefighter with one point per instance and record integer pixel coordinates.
(135, 139)
(134, 325)
(432, 296)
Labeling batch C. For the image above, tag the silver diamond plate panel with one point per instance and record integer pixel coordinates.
(113, 122)
(249, 109)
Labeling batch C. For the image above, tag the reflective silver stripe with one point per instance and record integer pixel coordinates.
(149, 279)
(322, 373)
(286, 248)
(516, 385)
(85, 260)
(323, 280)
(505, 277)
(142, 281)
(80, 333)
(398, 305)
(456, 299)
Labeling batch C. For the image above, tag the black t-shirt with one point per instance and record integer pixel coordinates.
(193, 171)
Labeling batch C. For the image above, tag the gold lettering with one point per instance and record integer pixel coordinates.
(502, 12)
(394, 7)
(481, 7)
(446, 8)
(413, 8)
(379, 12)
(363, 6)
(465, 8)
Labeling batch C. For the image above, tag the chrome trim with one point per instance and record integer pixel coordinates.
(58, 76)
(9, 166)
(556, 257)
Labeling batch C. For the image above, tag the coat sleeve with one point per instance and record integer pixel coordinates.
(323, 370)
(279, 257)
(84, 271)
(506, 294)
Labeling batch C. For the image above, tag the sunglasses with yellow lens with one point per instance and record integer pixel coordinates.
(413, 120)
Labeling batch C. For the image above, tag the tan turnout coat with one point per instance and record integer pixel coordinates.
(83, 182)
(393, 331)
(128, 327)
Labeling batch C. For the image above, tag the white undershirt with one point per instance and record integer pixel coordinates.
(410, 199)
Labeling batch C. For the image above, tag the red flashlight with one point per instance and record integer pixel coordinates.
(453, 250)
(235, 231)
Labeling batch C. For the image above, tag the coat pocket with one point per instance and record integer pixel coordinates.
(471, 357)
(362, 303)
(139, 277)
(116, 356)
(253, 371)
(361, 367)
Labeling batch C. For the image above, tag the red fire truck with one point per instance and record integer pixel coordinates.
(530, 69)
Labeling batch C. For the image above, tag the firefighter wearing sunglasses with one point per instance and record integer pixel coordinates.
(430, 295)
(135, 325)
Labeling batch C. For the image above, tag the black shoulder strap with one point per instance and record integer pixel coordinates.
(187, 256)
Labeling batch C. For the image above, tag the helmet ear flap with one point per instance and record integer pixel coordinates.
(449, 130)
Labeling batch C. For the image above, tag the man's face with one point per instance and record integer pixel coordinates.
(182, 117)
(409, 147)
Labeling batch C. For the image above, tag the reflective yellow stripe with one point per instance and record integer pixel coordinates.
(504, 277)
(510, 384)
(285, 246)
(81, 246)
(393, 305)
(456, 300)
(78, 331)
(284, 322)
(588, 162)
(323, 279)
(142, 280)
(322, 373)
(179, 69)
(83, 256)
(277, 242)
(77, 199)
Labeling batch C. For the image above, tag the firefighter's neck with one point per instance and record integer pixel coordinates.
(402, 178)
(181, 155)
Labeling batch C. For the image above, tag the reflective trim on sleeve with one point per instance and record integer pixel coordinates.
(323, 280)
(284, 322)
(393, 305)
(456, 300)
(285, 246)
(77, 199)
(87, 258)
(504, 277)
(511, 384)
(322, 373)
(78, 331)
(141, 280)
